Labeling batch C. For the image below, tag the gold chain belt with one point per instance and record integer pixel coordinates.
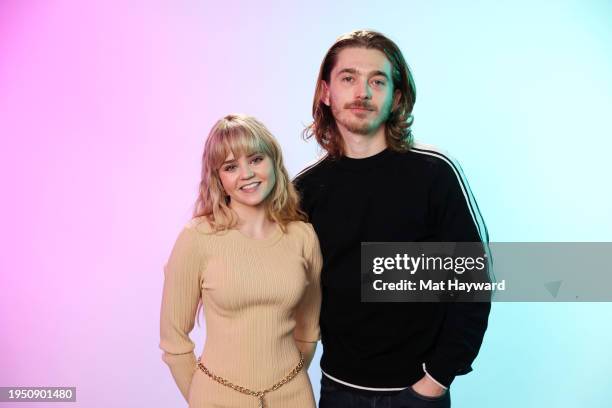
(257, 394)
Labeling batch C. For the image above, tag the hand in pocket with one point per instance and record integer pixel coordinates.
(428, 388)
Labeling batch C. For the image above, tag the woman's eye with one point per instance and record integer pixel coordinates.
(231, 167)
(257, 159)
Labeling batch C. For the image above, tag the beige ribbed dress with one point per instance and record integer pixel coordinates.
(259, 298)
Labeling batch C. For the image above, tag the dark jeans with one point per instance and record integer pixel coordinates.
(334, 395)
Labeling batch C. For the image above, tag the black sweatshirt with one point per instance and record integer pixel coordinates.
(419, 195)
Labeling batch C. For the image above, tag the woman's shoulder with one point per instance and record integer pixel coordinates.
(199, 225)
(199, 233)
(199, 228)
(301, 228)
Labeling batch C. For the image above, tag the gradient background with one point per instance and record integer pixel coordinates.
(104, 108)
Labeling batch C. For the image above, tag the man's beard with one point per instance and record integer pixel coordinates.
(360, 127)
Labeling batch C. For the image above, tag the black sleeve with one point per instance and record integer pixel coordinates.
(458, 220)
(301, 186)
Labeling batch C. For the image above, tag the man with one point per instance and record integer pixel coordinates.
(375, 185)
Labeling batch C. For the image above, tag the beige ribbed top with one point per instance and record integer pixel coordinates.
(259, 296)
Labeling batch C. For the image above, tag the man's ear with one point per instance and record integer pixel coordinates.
(397, 94)
(324, 92)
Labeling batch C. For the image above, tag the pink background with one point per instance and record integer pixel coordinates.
(104, 107)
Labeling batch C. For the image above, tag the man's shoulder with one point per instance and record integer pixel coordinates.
(433, 158)
(420, 158)
(430, 164)
(312, 171)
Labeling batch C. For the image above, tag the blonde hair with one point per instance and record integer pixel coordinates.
(243, 135)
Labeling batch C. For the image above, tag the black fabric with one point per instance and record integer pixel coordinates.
(334, 395)
(391, 196)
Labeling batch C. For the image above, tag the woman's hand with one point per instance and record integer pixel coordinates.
(307, 350)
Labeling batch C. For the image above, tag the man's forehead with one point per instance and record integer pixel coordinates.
(363, 60)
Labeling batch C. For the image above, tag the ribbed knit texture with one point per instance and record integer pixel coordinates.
(259, 297)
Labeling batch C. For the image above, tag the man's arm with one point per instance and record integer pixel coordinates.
(458, 220)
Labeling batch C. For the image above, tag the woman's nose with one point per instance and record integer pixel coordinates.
(246, 172)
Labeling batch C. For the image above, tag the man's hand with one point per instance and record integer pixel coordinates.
(426, 387)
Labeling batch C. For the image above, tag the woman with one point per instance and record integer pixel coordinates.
(253, 264)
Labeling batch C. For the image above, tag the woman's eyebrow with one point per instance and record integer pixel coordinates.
(233, 160)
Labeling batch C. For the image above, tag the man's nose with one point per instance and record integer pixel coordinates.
(364, 91)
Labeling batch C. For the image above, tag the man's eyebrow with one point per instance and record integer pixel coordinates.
(347, 71)
(355, 72)
(379, 73)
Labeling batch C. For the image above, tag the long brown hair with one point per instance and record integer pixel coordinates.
(397, 128)
(243, 135)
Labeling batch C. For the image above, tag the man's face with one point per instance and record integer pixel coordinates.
(360, 90)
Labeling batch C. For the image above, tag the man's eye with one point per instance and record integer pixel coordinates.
(379, 82)
(347, 79)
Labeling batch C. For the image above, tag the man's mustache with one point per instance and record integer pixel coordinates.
(360, 105)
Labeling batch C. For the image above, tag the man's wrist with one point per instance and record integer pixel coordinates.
(433, 379)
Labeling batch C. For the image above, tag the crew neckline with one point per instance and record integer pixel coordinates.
(260, 242)
(365, 163)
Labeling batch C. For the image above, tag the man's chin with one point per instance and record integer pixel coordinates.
(363, 129)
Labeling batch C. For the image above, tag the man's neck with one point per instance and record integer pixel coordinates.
(358, 146)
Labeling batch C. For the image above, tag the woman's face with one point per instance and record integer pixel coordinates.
(248, 180)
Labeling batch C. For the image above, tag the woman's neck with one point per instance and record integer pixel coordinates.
(253, 221)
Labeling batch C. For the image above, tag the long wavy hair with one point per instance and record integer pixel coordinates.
(243, 135)
(397, 127)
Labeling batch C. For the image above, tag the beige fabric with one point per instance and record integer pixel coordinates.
(259, 297)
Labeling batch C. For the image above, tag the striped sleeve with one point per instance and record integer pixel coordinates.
(458, 219)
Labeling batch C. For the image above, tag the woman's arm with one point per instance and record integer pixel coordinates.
(180, 300)
(307, 332)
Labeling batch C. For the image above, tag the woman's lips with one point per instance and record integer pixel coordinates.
(249, 188)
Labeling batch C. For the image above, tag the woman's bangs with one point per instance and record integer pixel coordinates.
(244, 142)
